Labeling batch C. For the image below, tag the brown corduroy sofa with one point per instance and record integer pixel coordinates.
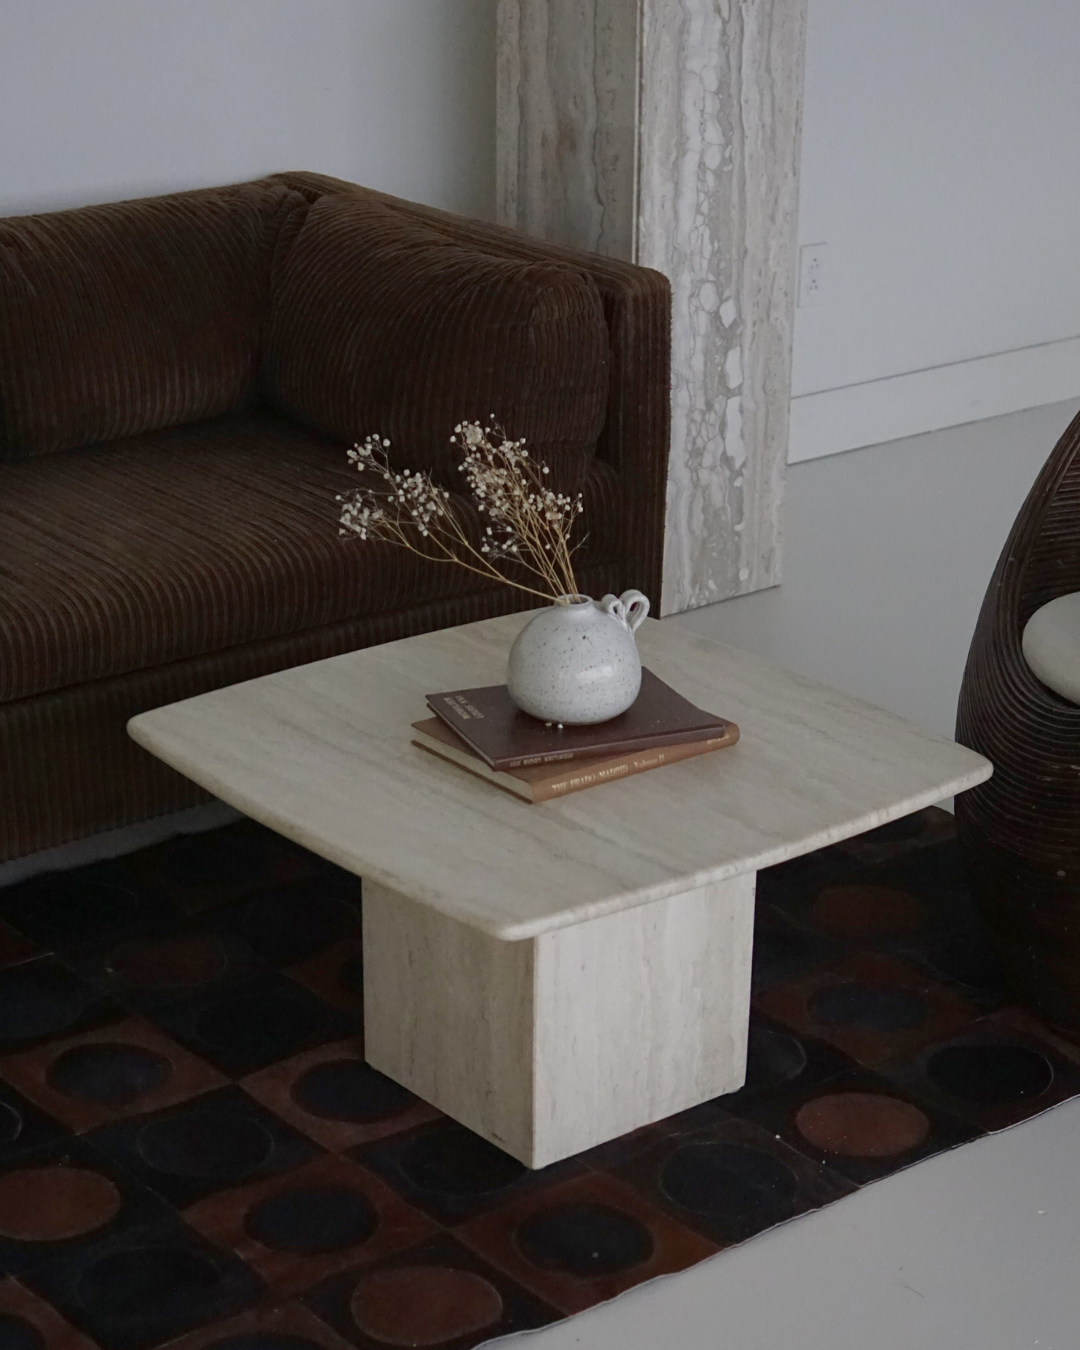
(179, 378)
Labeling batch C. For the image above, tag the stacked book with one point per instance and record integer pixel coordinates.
(483, 731)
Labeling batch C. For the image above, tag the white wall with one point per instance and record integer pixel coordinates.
(105, 99)
(939, 164)
(887, 555)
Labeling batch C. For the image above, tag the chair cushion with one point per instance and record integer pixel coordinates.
(1051, 645)
(382, 324)
(181, 543)
(134, 316)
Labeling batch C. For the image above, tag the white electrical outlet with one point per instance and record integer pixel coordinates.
(811, 273)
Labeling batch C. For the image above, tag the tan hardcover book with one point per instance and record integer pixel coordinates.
(542, 782)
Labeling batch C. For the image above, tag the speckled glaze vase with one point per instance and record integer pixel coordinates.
(577, 662)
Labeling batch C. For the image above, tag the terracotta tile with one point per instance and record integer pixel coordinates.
(14, 948)
(202, 871)
(297, 1229)
(336, 975)
(282, 1087)
(859, 1126)
(120, 1070)
(288, 924)
(1000, 1070)
(249, 1026)
(23, 1127)
(290, 1321)
(167, 965)
(65, 910)
(141, 1286)
(917, 907)
(29, 1315)
(451, 1173)
(439, 1294)
(777, 1060)
(57, 1201)
(42, 999)
(870, 1007)
(582, 1242)
(731, 1180)
(208, 1144)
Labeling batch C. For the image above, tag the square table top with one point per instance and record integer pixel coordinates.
(322, 753)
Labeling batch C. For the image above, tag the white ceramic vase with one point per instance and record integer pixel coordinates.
(577, 662)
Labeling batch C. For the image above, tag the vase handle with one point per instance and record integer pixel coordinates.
(636, 606)
(630, 608)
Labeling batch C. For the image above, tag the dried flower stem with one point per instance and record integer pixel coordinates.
(523, 522)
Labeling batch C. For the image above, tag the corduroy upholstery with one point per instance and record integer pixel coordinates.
(381, 324)
(134, 316)
(181, 533)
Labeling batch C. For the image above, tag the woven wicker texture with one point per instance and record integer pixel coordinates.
(1020, 831)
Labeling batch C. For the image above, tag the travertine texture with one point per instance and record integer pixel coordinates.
(555, 1044)
(667, 131)
(322, 754)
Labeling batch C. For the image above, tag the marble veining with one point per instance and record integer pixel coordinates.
(322, 754)
(666, 132)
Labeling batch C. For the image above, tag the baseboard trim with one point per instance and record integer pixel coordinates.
(115, 843)
(836, 420)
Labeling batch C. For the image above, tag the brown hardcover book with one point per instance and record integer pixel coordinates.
(542, 782)
(506, 738)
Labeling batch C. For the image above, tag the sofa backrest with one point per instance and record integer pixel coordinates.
(384, 324)
(135, 316)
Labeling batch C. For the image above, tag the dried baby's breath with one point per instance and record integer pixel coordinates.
(524, 522)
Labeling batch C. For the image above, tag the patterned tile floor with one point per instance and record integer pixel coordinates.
(194, 1153)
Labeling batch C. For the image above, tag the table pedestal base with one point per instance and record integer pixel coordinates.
(551, 1045)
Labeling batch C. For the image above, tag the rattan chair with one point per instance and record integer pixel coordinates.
(1020, 831)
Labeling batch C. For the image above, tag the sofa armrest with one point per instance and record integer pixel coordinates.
(635, 439)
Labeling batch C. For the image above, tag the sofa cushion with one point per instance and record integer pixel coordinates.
(134, 316)
(1051, 645)
(179, 543)
(183, 543)
(382, 324)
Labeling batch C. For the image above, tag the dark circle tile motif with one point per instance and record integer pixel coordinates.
(873, 1007)
(451, 1160)
(17, 1334)
(259, 1027)
(349, 1089)
(109, 1074)
(170, 963)
(11, 1126)
(990, 1075)
(205, 1146)
(743, 1189)
(772, 1058)
(262, 1340)
(227, 859)
(585, 1239)
(351, 975)
(295, 922)
(166, 1280)
(52, 1204)
(36, 1000)
(424, 1305)
(867, 911)
(313, 1220)
(862, 1125)
(82, 911)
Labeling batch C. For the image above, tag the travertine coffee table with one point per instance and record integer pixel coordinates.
(553, 976)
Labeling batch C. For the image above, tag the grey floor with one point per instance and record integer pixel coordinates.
(978, 1249)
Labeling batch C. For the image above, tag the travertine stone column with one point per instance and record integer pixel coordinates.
(667, 131)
